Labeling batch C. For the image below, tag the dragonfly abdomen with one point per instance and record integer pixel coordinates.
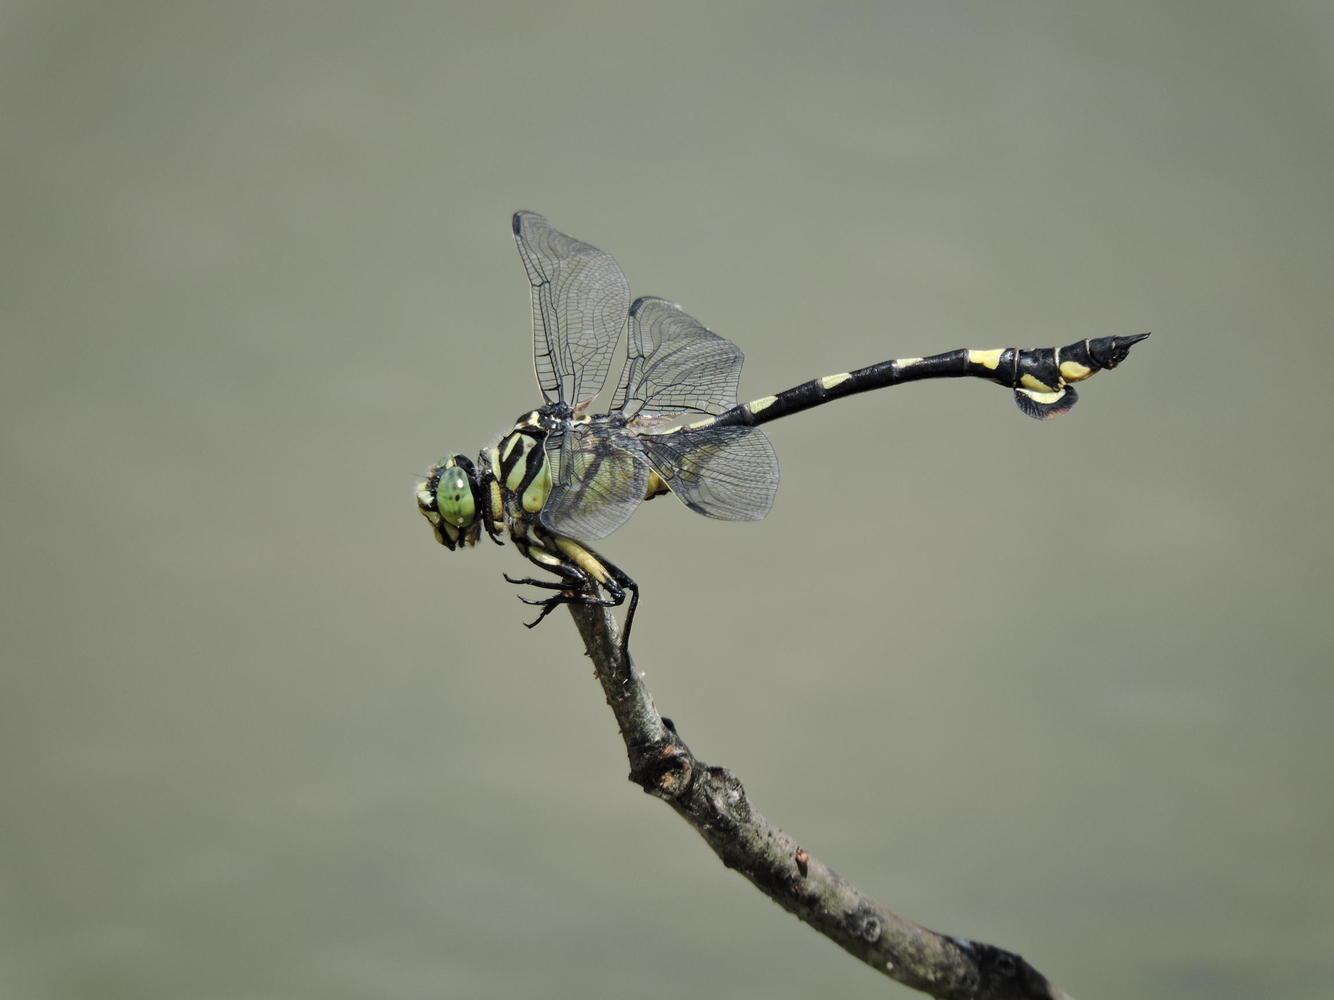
(1040, 378)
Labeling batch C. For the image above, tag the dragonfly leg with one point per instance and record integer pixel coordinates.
(613, 580)
(617, 584)
(529, 581)
(492, 513)
(567, 595)
(573, 585)
(582, 574)
(548, 605)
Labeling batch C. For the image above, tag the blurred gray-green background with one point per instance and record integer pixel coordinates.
(1062, 687)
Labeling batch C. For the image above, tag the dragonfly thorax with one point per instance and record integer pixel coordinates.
(519, 464)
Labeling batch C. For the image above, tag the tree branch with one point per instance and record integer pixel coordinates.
(711, 799)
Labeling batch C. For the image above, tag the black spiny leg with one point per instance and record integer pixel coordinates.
(547, 605)
(613, 580)
(573, 586)
(558, 555)
(616, 584)
(571, 592)
(550, 604)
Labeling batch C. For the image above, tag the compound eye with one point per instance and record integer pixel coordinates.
(454, 497)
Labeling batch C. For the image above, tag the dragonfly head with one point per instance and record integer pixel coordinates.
(450, 498)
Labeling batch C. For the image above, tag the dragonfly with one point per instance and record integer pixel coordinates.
(564, 478)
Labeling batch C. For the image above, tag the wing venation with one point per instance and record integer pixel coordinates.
(674, 364)
(730, 473)
(580, 302)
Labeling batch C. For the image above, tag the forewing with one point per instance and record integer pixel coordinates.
(674, 364)
(729, 473)
(601, 477)
(580, 299)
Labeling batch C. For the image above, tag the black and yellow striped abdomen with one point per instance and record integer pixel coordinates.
(1041, 378)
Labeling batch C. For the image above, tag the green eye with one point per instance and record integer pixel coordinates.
(454, 498)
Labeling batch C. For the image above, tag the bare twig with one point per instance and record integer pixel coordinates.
(711, 799)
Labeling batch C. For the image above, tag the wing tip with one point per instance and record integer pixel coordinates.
(645, 301)
(518, 218)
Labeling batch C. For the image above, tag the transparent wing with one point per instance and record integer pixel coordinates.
(580, 299)
(601, 477)
(674, 364)
(726, 472)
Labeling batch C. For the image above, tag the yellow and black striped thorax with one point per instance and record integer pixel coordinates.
(520, 465)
